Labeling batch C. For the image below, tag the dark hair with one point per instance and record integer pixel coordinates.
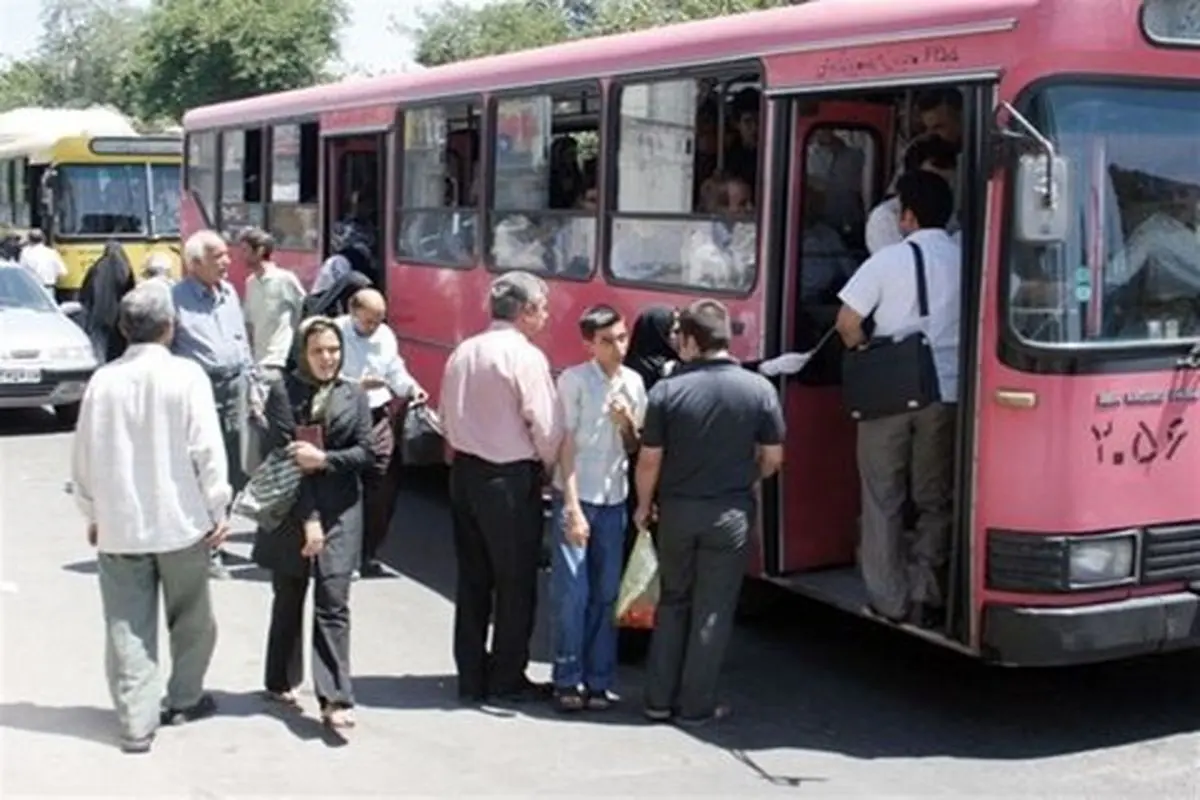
(258, 240)
(936, 98)
(746, 102)
(928, 196)
(943, 154)
(596, 319)
(36, 236)
(706, 321)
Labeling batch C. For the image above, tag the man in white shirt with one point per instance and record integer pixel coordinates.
(43, 261)
(150, 477)
(931, 153)
(913, 445)
(602, 403)
(371, 357)
(274, 302)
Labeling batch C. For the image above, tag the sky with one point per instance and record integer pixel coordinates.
(367, 41)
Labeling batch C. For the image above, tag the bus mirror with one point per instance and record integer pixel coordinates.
(1041, 207)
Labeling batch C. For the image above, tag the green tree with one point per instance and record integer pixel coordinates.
(83, 51)
(20, 85)
(195, 52)
(456, 31)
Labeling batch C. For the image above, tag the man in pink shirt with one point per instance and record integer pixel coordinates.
(501, 418)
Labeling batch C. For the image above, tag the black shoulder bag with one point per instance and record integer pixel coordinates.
(889, 376)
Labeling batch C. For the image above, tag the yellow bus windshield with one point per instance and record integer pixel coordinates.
(135, 200)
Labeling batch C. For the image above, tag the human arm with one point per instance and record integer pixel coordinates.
(360, 453)
(539, 403)
(81, 463)
(650, 457)
(206, 447)
(860, 296)
(570, 397)
(396, 375)
(770, 434)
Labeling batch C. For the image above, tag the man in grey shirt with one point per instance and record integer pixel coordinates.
(713, 430)
(211, 330)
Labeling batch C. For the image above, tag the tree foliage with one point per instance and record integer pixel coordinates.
(194, 52)
(456, 31)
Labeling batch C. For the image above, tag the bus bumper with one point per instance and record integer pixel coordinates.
(1046, 637)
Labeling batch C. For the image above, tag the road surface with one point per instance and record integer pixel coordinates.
(825, 705)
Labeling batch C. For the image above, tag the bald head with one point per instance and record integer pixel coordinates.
(369, 311)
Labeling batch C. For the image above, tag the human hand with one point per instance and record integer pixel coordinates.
(314, 539)
(216, 537)
(620, 412)
(643, 516)
(418, 396)
(577, 531)
(308, 457)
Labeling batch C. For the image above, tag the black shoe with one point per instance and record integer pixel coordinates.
(373, 569)
(205, 707)
(527, 692)
(133, 746)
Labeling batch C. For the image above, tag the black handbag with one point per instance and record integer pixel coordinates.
(421, 439)
(889, 376)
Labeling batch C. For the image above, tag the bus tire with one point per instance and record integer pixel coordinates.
(633, 645)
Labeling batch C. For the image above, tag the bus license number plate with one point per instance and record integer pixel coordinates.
(10, 376)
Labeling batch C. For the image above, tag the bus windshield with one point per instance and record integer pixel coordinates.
(118, 200)
(1129, 270)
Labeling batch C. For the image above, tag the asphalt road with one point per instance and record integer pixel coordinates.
(825, 705)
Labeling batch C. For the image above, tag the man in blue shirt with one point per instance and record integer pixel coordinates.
(211, 330)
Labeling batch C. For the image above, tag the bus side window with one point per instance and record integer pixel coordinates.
(241, 181)
(7, 206)
(293, 215)
(840, 166)
(438, 208)
(545, 191)
(202, 171)
(687, 178)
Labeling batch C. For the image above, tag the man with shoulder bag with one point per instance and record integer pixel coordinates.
(901, 385)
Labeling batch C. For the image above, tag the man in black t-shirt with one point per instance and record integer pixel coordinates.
(712, 431)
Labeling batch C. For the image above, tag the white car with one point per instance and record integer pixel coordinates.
(45, 358)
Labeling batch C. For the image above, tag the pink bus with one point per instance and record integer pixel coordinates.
(1077, 522)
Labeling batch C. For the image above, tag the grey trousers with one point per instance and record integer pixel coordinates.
(702, 551)
(129, 586)
(914, 449)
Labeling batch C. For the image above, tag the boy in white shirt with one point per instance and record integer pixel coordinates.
(603, 403)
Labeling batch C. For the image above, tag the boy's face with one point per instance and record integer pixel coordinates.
(608, 345)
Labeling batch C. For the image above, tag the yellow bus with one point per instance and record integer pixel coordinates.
(85, 177)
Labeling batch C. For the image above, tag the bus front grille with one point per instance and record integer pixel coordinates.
(1171, 553)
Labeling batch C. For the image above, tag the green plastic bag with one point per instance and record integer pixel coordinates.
(639, 585)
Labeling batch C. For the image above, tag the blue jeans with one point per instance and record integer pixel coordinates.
(585, 582)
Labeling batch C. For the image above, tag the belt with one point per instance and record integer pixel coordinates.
(225, 374)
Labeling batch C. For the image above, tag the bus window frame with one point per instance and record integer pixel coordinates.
(489, 212)
(1073, 358)
(208, 206)
(608, 200)
(7, 184)
(263, 166)
(478, 101)
(268, 128)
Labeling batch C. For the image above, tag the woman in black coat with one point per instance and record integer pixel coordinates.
(324, 423)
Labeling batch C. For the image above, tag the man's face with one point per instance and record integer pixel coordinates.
(250, 254)
(213, 268)
(944, 122)
(367, 319)
(534, 316)
(740, 201)
(609, 345)
(747, 126)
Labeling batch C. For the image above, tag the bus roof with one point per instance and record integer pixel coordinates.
(33, 132)
(829, 23)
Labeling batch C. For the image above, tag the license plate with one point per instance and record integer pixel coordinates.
(20, 376)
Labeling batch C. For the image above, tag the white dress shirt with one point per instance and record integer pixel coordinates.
(377, 356)
(149, 465)
(274, 305)
(886, 286)
(44, 262)
(601, 461)
(883, 226)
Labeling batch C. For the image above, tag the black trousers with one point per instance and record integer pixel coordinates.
(702, 552)
(497, 513)
(330, 637)
(380, 483)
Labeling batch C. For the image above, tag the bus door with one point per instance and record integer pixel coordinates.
(356, 179)
(839, 162)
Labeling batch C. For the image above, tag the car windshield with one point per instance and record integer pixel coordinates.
(18, 289)
(1129, 270)
(102, 200)
(167, 191)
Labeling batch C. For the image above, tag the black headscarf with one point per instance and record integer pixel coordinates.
(106, 282)
(333, 301)
(650, 344)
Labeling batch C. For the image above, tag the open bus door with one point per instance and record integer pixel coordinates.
(839, 162)
(355, 186)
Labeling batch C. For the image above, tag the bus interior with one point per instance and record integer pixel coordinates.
(846, 149)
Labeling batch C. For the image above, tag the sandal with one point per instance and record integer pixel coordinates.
(287, 699)
(601, 701)
(338, 718)
(569, 700)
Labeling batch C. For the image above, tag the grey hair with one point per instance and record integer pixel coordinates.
(512, 292)
(197, 246)
(158, 263)
(147, 312)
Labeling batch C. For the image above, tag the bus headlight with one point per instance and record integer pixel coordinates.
(1102, 560)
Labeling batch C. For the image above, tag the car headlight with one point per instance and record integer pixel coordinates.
(1103, 560)
(74, 353)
